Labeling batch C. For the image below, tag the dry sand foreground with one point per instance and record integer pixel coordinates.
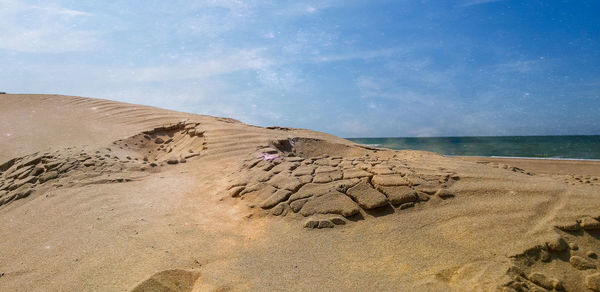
(95, 196)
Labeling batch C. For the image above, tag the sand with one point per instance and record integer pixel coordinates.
(98, 195)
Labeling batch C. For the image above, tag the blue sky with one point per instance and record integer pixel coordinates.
(350, 68)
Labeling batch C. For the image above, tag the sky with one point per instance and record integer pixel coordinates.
(363, 68)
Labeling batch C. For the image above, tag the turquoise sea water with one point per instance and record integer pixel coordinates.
(577, 147)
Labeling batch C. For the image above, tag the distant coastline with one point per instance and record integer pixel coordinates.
(532, 158)
(573, 147)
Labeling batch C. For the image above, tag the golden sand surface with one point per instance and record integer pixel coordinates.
(97, 195)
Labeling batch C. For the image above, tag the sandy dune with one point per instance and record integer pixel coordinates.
(98, 195)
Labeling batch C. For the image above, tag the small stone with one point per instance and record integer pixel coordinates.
(159, 140)
(574, 226)
(338, 220)
(593, 281)
(297, 205)
(280, 209)
(581, 263)
(557, 243)
(172, 160)
(325, 224)
(545, 256)
(422, 196)
(444, 194)
(573, 246)
(311, 223)
(591, 254)
(153, 164)
(37, 171)
(544, 281)
(515, 271)
(407, 205)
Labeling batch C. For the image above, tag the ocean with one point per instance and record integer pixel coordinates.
(556, 147)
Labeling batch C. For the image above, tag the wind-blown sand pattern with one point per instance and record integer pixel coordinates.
(102, 195)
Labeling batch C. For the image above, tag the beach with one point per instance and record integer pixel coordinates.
(98, 195)
(575, 167)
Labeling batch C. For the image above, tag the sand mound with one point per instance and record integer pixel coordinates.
(122, 161)
(284, 178)
(172, 143)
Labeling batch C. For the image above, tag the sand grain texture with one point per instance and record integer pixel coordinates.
(101, 195)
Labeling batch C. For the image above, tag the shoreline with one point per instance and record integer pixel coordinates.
(553, 166)
(527, 158)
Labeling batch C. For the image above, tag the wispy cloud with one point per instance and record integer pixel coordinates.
(365, 55)
(523, 66)
(57, 10)
(212, 64)
(477, 2)
(43, 29)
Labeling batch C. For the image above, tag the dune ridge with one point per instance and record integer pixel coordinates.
(103, 195)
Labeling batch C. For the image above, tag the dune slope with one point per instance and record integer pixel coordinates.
(102, 195)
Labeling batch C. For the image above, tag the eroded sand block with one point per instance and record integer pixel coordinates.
(331, 203)
(581, 263)
(400, 194)
(367, 197)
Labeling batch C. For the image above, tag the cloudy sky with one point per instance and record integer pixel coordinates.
(359, 68)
